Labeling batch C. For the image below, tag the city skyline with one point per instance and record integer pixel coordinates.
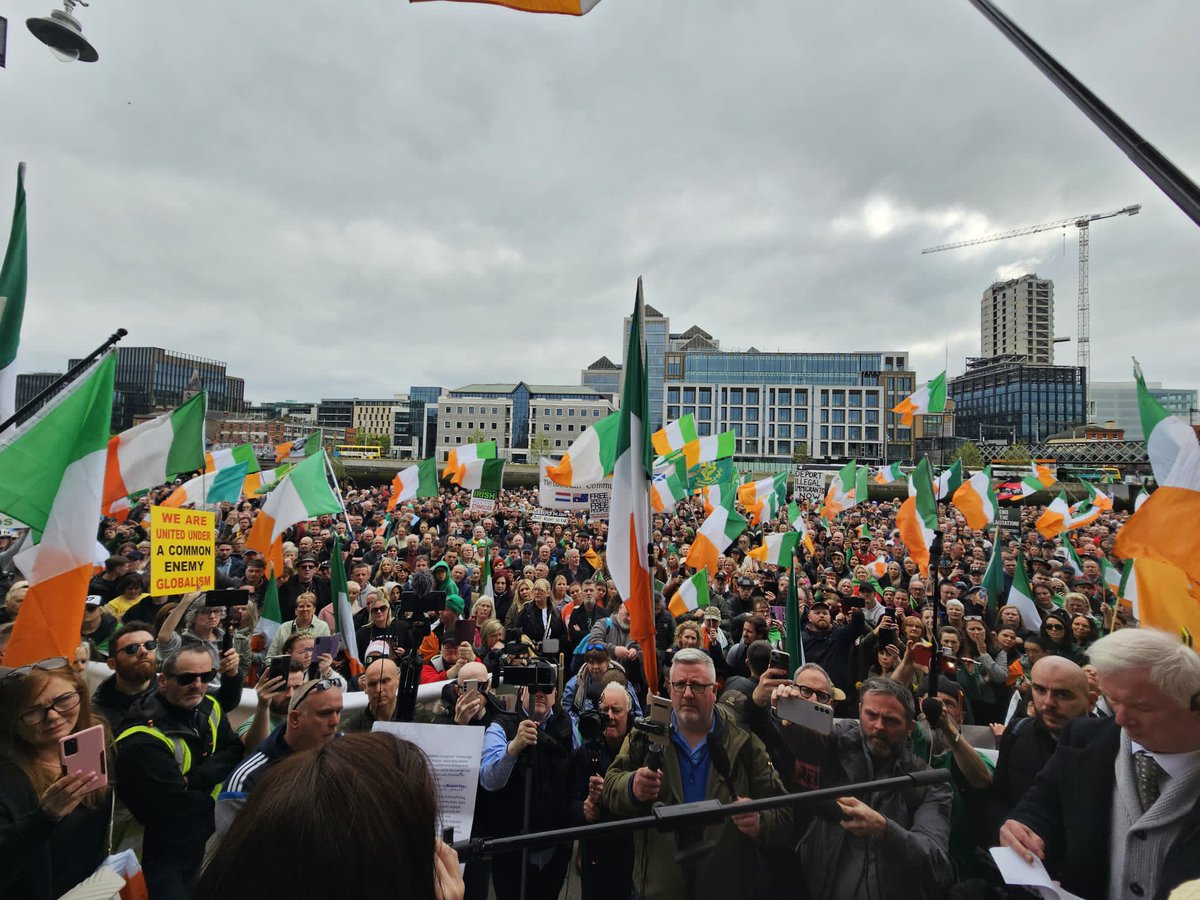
(768, 174)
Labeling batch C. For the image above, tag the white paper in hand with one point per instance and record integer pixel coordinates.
(1015, 871)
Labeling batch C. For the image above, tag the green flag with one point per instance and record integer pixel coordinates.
(14, 275)
(993, 579)
(795, 645)
(340, 592)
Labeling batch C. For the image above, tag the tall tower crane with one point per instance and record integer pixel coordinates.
(1084, 342)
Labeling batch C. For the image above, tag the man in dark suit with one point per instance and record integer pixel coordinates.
(1116, 811)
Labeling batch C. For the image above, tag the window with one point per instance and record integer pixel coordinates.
(706, 395)
(495, 410)
(471, 410)
(735, 414)
(785, 396)
(839, 398)
(595, 413)
(558, 443)
(784, 415)
(752, 414)
(459, 410)
(673, 395)
(672, 412)
(752, 396)
(546, 427)
(839, 415)
(855, 433)
(785, 431)
(751, 431)
(735, 396)
(558, 426)
(689, 395)
(856, 398)
(855, 416)
(558, 411)
(571, 412)
(839, 432)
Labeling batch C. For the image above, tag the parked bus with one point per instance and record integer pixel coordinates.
(357, 451)
(1094, 474)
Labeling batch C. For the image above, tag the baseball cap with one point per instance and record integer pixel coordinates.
(712, 612)
(745, 581)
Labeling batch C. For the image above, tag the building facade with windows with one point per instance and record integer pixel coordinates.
(1009, 397)
(604, 377)
(1017, 317)
(1116, 401)
(525, 420)
(792, 406)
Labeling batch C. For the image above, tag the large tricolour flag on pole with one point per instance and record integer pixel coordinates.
(562, 7)
(304, 493)
(629, 505)
(977, 501)
(917, 519)
(14, 274)
(415, 482)
(590, 457)
(343, 616)
(154, 452)
(480, 475)
(929, 399)
(52, 479)
(223, 486)
(1020, 595)
(674, 435)
(841, 495)
(460, 456)
(709, 448)
(1165, 527)
(691, 595)
(1053, 521)
(720, 529)
(776, 549)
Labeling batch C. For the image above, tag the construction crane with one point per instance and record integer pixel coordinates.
(1083, 344)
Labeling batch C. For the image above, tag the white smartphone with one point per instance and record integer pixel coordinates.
(814, 716)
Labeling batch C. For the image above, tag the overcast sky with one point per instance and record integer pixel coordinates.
(350, 198)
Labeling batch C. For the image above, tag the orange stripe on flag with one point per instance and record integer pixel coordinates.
(906, 408)
(703, 555)
(641, 608)
(1164, 529)
(561, 472)
(970, 504)
(910, 532)
(1166, 598)
(114, 484)
(50, 618)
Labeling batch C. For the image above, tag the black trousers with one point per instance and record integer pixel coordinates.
(543, 883)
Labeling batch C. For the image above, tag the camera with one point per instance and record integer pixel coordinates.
(541, 678)
(592, 723)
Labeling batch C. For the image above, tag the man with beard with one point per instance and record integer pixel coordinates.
(133, 658)
(606, 864)
(891, 845)
(831, 646)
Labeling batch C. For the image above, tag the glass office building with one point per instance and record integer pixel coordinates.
(1116, 401)
(785, 406)
(151, 379)
(603, 376)
(1005, 397)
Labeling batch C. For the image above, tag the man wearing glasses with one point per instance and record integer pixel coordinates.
(710, 757)
(175, 750)
(313, 714)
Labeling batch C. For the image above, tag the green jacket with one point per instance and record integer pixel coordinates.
(727, 869)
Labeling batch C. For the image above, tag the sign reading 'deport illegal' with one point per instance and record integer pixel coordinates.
(181, 550)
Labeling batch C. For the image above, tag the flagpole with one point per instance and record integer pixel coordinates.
(62, 381)
(337, 492)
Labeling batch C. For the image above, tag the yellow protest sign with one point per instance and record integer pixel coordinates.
(182, 550)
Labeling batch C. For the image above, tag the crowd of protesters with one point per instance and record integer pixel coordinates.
(1089, 757)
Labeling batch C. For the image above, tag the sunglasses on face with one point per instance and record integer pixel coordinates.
(185, 679)
(312, 687)
(132, 649)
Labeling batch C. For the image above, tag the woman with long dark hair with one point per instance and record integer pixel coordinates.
(53, 827)
(378, 789)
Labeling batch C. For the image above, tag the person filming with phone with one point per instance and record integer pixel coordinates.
(53, 826)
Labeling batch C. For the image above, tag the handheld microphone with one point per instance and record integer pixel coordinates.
(932, 708)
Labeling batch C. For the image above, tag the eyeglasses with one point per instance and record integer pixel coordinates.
(62, 705)
(54, 662)
(310, 687)
(972, 618)
(378, 609)
(809, 693)
(696, 687)
(1054, 626)
(184, 679)
(132, 649)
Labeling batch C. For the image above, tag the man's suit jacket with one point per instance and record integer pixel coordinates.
(1071, 808)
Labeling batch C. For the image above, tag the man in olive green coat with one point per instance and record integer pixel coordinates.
(709, 757)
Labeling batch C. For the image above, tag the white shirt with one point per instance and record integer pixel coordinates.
(1174, 764)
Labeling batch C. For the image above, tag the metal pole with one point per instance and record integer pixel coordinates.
(1184, 192)
(61, 382)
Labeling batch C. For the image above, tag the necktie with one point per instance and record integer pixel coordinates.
(1148, 773)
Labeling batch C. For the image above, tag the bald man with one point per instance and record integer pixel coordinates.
(381, 683)
(1060, 692)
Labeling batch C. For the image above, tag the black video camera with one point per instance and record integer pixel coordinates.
(540, 679)
(592, 723)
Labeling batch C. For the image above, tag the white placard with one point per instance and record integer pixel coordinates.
(454, 753)
(809, 485)
(555, 496)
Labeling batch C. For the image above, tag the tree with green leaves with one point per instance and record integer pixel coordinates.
(970, 456)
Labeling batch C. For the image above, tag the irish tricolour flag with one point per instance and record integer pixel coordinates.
(154, 452)
(709, 448)
(843, 490)
(930, 399)
(674, 435)
(590, 457)
(776, 549)
(52, 479)
(917, 519)
(887, 474)
(713, 538)
(796, 520)
(691, 595)
(629, 505)
(414, 482)
(1165, 527)
(210, 489)
(303, 494)
(459, 456)
(763, 498)
(666, 491)
(1053, 521)
(480, 474)
(977, 501)
(14, 275)
(1020, 595)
